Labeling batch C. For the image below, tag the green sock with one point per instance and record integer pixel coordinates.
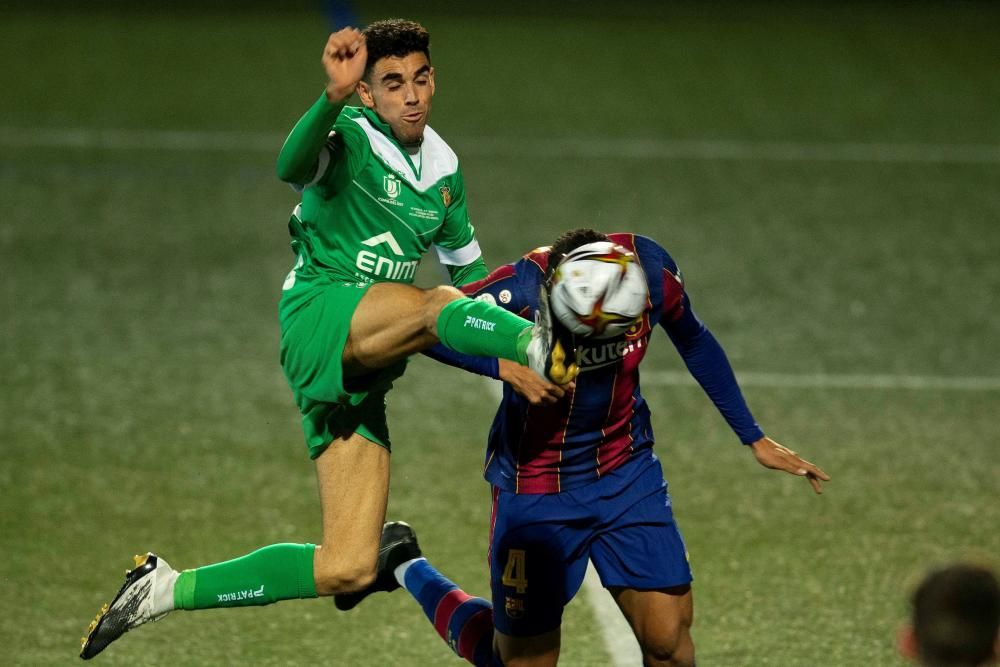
(483, 329)
(276, 572)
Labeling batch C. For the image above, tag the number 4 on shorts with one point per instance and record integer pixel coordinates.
(513, 571)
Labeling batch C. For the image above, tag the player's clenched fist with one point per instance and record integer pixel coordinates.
(344, 59)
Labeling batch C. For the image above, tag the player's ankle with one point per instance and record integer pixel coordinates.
(400, 571)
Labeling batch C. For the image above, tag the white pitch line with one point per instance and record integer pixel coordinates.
(824, 381)
(123, 140)
(744, 151)
(521, 147)
(619, 640)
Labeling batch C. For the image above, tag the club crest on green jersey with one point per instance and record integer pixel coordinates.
(391, 185)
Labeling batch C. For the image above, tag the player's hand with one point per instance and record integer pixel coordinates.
(777, 457)
(344, 58)
(529, 384)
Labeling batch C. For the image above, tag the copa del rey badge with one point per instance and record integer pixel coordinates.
(391, 184)
(445, 195)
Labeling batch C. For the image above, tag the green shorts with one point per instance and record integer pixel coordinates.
(315, 320)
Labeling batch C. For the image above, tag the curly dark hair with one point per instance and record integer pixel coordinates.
(571, 240)
(395, 38)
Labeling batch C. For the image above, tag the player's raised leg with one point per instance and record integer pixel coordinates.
(661, 620)
(393, 321)
(153, 589)
(353, 478)
(353, 475)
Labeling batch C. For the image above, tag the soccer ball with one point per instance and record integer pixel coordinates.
(598, 290)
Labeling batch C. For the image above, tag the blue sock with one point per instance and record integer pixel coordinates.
(465, 623)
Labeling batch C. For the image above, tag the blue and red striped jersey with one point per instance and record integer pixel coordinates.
(605, 422)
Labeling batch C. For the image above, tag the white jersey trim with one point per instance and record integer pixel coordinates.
(467, 254)
(321, 166)
(324, 162)
(437, 160)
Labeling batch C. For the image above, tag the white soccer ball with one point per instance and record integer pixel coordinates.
(598, 290)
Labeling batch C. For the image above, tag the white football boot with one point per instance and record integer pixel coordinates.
(146, 595)
(546, 351)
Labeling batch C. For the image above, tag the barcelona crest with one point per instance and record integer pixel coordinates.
(514, 607)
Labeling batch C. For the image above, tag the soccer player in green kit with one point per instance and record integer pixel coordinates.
(379, 188)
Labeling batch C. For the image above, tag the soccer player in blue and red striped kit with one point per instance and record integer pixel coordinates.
(575, 478)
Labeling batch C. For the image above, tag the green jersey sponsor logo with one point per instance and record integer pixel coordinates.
(378, 266)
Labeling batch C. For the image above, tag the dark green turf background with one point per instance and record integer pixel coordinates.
(142, 404)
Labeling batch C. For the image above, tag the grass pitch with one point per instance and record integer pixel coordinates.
(143, 406)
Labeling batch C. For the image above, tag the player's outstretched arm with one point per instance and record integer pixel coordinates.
(778, 457)
(344, 59)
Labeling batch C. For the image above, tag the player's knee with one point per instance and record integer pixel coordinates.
(435, 299)
(342, 576)
(669, 649)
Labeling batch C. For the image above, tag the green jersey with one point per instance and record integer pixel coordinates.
(369, 212)
(372, 209)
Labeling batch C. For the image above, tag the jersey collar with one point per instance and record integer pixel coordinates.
(384, 128)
